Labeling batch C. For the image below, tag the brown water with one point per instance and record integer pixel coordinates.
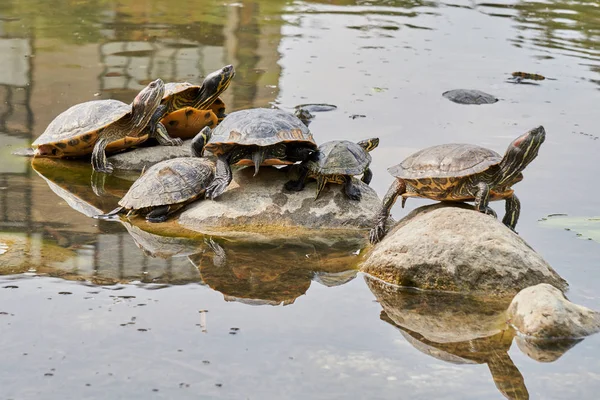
(92, 309)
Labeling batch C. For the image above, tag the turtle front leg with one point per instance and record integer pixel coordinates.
(482, 199)
(513, 210)
(223, 177)
(159, 114)
(352, 190)
(367, 176)
(158, 214)
(163, 137)
(298, 184)
(99, 162)
(378, 232)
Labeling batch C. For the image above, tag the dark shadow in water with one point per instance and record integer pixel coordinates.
(462, 330)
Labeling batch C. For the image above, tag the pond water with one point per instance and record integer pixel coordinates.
(95, 309)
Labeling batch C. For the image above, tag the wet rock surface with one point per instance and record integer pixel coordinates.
(543, 312)
(454, 248)
(144, 157)
(261, 203)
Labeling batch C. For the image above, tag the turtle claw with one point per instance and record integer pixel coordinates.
(216, 188)
(294, 186)
(376, 234)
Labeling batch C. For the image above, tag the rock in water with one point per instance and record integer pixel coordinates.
(455, 248)
(468, 96)
(543, 312)
(262, 204)
(144, 157)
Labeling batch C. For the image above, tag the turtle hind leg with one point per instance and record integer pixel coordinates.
(367, 176)
(513, 209)
(158, 214)
(223, 177)
(352, 190)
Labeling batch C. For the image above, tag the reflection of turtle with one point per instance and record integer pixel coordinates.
(94, 126)
(187, 108)
(169, 185)
(463, 172)
(336, 162)
(155, 245)
(257, 137)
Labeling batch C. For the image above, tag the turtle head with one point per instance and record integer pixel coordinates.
(521, 152)
(304, 115)
(369, 144)
(215, 84)
(200, 141)
(146, 102)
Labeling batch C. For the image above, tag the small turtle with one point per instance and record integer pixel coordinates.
(186, 108)
(462, 172)
(258, 136)
(518, 77)
(99, 125)
(336, 162)
(168, 185)
(469, 96)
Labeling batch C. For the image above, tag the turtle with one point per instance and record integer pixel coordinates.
(168, 185)
(95, 126)
(462, 172)
(518, 77)
(336, 162)
(469, 96)
(257, 136)
(187, 108)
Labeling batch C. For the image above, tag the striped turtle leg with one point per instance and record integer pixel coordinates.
(163, 137)
(321, 182)
(352, 190)
(159, 114)
(513, 209)
(367, 176)
(223, 177)
(397, 189)
(99, 162)
(482, 199)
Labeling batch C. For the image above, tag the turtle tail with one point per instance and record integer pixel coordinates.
(258, 157)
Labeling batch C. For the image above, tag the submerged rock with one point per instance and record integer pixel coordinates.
(144, 157)
(260, 203)
(454, 248)
(469, 96)
(543, 312)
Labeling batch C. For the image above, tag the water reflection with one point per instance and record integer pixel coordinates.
(463, 330)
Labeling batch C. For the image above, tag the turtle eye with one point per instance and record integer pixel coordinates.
(54, 151)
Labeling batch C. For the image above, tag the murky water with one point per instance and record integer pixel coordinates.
(93, 309)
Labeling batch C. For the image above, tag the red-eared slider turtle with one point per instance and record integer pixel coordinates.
(168, 185)
(99, 125)
(187, 108)
(518, 77)
(463, 172)
(258, 136)
(337, 162)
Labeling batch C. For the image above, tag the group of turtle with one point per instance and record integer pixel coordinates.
(266, 137)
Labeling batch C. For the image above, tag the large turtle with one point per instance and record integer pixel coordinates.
(187, 108)
(257, 136)
(99, 125)
(463, 172)
(337, 162)
(168, 185)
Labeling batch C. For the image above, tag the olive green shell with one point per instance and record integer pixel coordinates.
(259, 127)
(446, 161)
(169, 182)
(340, 157)
(78, 126)
(175, 88)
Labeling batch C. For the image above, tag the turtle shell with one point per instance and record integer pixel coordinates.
(340, 157)
(169, 182)
(446, 161)
(259, 127)
(75, 131)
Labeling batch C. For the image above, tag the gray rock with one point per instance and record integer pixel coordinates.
(261, 204)
(144, 157)
(469, 96)
(454, 248)
(543, 312)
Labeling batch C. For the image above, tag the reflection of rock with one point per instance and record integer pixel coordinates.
(145, 157)
(274, 271)
(156, 245)
(454, 248)
(542, 311)
(21, 253)
(545, 350)
(260, 203)
(70, 180)
(454, 328)
(331, 279)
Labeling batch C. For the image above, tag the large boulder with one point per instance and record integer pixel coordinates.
(543, 312)
(454, 248)
(144, 157)
(261, 204)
